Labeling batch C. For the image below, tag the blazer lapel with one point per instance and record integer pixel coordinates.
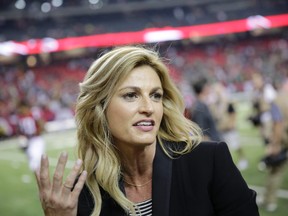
(161, 185)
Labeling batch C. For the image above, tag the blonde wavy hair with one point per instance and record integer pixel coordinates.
(100, 158)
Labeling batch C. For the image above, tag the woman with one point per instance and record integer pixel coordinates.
(138, 154)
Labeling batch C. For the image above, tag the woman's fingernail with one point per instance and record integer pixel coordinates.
(64, 154)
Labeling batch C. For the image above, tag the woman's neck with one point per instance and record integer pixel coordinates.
(137, 164)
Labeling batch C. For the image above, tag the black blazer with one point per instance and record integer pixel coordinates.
(204, 182)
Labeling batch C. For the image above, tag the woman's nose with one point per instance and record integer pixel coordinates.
(146, 106)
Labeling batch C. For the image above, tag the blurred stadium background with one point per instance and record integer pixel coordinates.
(46, 47)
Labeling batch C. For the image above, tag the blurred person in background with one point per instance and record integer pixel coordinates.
(30, 125)
(275, 159)
(263, 95)
(225, 115)
(200, 111)
(138, 153)
(6, 129)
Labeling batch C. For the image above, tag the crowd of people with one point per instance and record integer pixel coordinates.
(53, 88)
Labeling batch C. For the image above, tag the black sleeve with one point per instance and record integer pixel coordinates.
(231, 195)
(85, 202)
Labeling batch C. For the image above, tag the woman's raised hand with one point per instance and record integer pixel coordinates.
(58, 197)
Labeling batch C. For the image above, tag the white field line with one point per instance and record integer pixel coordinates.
(57, 144)
(51, 146)
(21, 158)
(8, 144)
(250, 140)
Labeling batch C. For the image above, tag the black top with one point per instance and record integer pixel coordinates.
(204, 182)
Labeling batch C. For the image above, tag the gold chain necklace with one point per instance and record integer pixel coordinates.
(136, 185)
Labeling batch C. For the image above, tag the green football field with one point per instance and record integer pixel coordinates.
(18, 189)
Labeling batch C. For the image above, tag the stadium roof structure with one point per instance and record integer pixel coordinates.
(39, 9)
(219, 17)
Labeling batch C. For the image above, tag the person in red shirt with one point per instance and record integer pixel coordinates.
(30, 127)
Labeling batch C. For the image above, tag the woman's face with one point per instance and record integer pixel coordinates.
(135, 111)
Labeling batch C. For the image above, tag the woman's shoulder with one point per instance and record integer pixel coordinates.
(204, 151)
(202, 146)
(210, 145)
(211, 149)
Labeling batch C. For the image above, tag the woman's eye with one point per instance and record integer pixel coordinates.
(157, 96)
(130, 96)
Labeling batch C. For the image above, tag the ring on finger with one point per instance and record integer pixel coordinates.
(68, 187)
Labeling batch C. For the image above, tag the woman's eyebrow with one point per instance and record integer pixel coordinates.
(138, 88)
(130, 87)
